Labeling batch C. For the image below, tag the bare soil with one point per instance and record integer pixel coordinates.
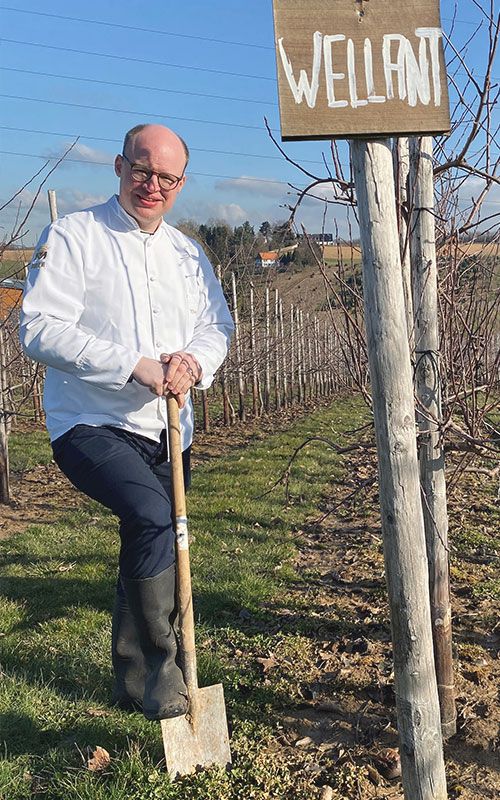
(347, 720)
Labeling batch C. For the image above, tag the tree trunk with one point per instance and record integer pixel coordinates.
(429, 418)
(417, 700)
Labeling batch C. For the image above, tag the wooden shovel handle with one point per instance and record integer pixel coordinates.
(184, 592)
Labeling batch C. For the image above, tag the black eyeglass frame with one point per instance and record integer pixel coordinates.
(173, 180)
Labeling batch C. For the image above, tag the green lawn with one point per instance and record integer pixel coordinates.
(57, 593)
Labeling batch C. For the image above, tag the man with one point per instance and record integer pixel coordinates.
(124, 309)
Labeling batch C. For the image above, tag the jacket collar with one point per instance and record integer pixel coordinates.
(128, 222)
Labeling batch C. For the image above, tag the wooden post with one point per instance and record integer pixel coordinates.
(267, 356)
(4, 428)
(227, 409)
(309, 374)
(205, 411)
(405, 556)
(253, 347)
(277, 350)
(237, 340)
(52, 204)
(429, 417)
(293, 357)
(283, 355)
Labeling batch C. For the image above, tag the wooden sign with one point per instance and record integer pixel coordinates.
(367, 68)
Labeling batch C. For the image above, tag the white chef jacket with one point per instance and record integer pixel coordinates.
(100, 294)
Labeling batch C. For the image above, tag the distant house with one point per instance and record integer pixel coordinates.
(273, 258)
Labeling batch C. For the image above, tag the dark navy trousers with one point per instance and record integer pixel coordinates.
(130, 475)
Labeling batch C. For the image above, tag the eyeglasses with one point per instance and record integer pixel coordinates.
(142, 175)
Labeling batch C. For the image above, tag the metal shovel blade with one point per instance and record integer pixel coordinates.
(199, 739)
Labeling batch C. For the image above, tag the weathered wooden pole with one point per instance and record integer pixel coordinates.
(429, 418)
(237, 340)
(405, 555)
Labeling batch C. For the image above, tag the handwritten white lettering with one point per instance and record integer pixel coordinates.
(303, 87)
(330, 75)
(396, 58)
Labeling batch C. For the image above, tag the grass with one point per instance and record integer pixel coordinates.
(57, 592)
(28, 450)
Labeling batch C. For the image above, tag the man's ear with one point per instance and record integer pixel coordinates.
(181, 182)
(118, 165)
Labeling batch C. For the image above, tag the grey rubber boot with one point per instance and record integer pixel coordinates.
(129, 665)
(152, 604)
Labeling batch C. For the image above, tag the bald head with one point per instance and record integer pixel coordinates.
(132, 133)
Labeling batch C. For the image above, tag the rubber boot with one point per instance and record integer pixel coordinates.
(129, 665)
(152, 603)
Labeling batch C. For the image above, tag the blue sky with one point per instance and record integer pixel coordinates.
(207, 69)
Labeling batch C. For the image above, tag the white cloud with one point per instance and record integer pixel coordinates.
(69, 200)
(81, 152)
(231, 213)
(252, 185)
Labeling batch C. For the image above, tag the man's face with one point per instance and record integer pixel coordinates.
(154, 148)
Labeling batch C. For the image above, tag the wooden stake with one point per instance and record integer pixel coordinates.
(255, 380)
(52, 204)
(237, 339)
(4, 432)
(417, 700)
(429, 417)
(267, 356)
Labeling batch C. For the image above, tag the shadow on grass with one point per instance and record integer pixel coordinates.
(24, 734)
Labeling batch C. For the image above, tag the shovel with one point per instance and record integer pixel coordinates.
(200, 738)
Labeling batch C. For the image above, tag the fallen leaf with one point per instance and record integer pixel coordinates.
(305, 742)
(389, 763)
(97, 712)
(267, 663)
(100, 760)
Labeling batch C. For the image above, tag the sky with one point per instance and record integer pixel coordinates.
(89, 72)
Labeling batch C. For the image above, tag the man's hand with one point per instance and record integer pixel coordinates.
(151, 373)
(182, 372)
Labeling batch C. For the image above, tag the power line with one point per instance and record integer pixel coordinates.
(150, 114)
(110, 164)
(248, 178)
(137, 60)
(160, 32)
(137, 86)
(153, 62)
(81, 137)
(135, 28)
